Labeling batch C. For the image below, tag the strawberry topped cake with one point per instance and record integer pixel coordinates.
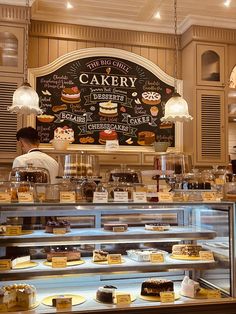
(64, 133)
(107, 135)
(70, 94)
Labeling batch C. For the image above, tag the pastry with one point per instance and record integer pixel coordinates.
(157, 227)
(189, 287)
(112, 227)
(142, 255)
(54, 300)
(189, 250)
(108, 109)
(166, 125)
(72, 254)
(106, 294)
(70, 94)
(146, 138)
(65, 133)
(153, 287)
(151, 98)
(107, 135)
(100, 256)
(154, 111)
(20, 295)
(45, 118)
(15, 260)
(53, 224)
(59, 108)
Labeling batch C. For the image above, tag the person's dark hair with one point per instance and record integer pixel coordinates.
(29, 134)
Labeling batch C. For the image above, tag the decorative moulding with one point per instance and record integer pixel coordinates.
(13, 14)
(111, 52)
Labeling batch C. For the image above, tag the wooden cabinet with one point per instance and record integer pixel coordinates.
(210, 65)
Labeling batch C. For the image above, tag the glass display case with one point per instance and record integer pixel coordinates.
(87, 252)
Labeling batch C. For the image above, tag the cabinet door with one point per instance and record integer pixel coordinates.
(210, 65)
(211, 137)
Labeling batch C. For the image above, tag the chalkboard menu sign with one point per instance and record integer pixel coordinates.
(94, 99)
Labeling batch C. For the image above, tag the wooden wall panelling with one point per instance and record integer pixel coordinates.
(71, 45)
(90, 44)
(145, 52)
(169, 60)
(231, 58)
(81, 44)
(136, 49)
(153, 54)
(127, 48)
(161, 59)
(62, 47)
(43, 53)
(33, 58)
(52, 49)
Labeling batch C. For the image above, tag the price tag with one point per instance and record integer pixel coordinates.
(13, 230)
(112, 145)
(165, 197)
(208, 196)
(59, 230)
(100, 197)
(59, 262)
(219, 181)
(114, 259)
(167, 296)
(206, 255)
(123, 298)
(5, 264)
(121, 197)
(140, 197)
(213, 294)
(67, 197)
(5, 197)
(157, 258)
(25, 197)
(64, 304)
(3, 308)
(118, 229)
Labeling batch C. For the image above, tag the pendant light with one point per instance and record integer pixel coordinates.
(25, 98)
(176, 108)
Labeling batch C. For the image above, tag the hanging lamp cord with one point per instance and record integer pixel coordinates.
(26, 41)
(176, 46)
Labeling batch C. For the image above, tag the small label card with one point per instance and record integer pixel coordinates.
(213, 294)
(167, 297)
(114, 259)
(67, 197)
(3, 308)
(25, 197)
(100, 197)
(118, 229)
(165, 197)
(112, 145)
(5, 264)
(64, 304)
(206, 255)
(13, 230)
(121, 197)
(59, 230)
(59, 262)
(157, 258)
(140, 197)
(219, 181)
(5, 197)
(123, 298)
(208, 196)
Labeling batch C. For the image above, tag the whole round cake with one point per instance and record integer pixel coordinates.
(153, 287)
(107, 135)
(64, 133)
(151, 98)
(70, 94)
(146, 138)
(71, 253)
(115, 227)
(53, 224)
(108, 109)
(106, 294)
(188, 250)
(157, 226)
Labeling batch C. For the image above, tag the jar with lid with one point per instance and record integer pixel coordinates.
(88, 187)
(30, 174)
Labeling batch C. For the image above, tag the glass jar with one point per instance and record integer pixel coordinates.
(88, 187)
(49, 193)
(22, 187)
(124, 174)
(30, 173)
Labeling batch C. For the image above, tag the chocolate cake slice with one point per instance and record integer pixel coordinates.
(153, 287)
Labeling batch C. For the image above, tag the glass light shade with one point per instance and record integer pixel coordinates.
(176, 109)
(25, 100)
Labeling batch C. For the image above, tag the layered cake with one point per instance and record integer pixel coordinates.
(157, 226)
(142, 255)
(70, 94)
(107, 135)
(65, 133)
(53, 224)
(189, 287)
(166, 125)
(151, 98)
(106, 294)
(78, 170)
(20, 295)
(100, 256)
(146, 138)
(15, 260)
(71, 253)
(153, 287)
(108, 109)
(188, 250)
(115, 227)
(54, 300)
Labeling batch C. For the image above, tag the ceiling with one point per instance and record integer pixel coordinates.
(134, 14)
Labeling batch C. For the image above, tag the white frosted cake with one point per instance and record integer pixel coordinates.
(143, 255)
(108, 109)
(18, 260)
(157, 227)
(22, 295)
(100, 256)
(189, 287)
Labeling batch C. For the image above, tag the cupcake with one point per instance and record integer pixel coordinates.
(154, 111)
